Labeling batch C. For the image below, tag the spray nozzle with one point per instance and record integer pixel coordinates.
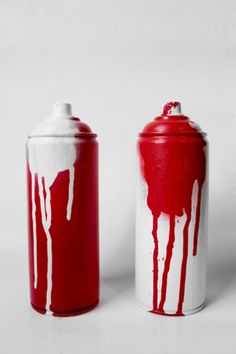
(62, 111)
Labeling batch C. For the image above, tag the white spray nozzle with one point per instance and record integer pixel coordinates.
(62, 110)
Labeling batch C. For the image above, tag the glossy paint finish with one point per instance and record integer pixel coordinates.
(63, 220)
(171, 223)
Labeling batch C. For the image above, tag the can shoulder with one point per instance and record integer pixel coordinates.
(72, 127)
(172, 125)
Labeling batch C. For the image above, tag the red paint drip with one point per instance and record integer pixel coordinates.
(169, 252)
(155, 263)
(168, 107)
(196, 228)
(170, 166)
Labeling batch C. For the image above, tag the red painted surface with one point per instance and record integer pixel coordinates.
(170, 164)
(75, 263)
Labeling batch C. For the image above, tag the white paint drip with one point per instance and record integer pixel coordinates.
(48, 157)
(46, 221)
(70, 197)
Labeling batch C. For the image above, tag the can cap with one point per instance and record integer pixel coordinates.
(62, 123)
(172, 122)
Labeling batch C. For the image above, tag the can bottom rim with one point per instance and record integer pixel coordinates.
(170, 312)
(64, 314)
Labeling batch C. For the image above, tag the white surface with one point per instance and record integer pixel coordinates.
(118, 325)
(58, 123)
(121, 61)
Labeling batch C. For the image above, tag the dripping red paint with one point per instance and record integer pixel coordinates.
(172, 156)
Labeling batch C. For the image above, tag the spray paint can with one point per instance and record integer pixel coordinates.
(62, 163)
(171, 219)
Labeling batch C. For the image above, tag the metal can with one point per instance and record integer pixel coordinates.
(62, 170)
(171, 217)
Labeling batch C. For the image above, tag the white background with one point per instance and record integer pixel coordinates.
(117, 62)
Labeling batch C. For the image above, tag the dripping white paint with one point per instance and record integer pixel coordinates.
(47, 157)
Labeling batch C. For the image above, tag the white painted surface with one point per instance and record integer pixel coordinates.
(62, 111)
(118, 325)
(121, 61)
(60, 123)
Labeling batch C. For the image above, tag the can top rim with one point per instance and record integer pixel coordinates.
(153, 134)
(54, 135)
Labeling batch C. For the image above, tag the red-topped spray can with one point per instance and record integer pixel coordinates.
(62, 156)
(171, 221)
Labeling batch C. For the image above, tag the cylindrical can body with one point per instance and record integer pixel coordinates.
(63, 224)
(171, 223)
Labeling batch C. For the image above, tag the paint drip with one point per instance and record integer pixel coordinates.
(62, 176)
(170, 167)
(47, 158)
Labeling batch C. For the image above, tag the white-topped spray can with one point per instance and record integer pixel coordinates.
(62, 170)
